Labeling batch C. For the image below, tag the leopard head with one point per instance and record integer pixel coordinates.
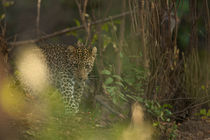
(81, 60)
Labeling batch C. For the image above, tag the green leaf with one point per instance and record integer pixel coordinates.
(105, 27)
(8, 3)
(130, 80)
(95, 37)
(140, 54)
(155, 124)
(30, 132)
(121, 55)
(117, 77)
(203, 111)
(107, 41)
(159, 106)
(204, 117)
(162, 116)
(208, 113)
(114, 45)
(168, 112)
(108, 81)
(122, 96)
(111, 90)
(203, 87)
(141, 100)
(72, 33)
(2, 16)
(167, 106)
(80, 40)
(105, 72)
(114, 28)
(197, 114)
(132, 97)
(114, 100)
(77, 22)
(119, 83)
(117, 21)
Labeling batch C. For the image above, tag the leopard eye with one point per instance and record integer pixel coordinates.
(75, 65)
(87, 66)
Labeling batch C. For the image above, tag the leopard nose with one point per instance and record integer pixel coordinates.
(82, 75)
(81, 78)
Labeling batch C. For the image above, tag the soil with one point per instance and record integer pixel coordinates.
(194, 130)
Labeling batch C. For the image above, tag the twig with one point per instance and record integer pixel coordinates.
(82, 13)
(38, 16)
(165, 100)
(101, 100)
(191, 107)
(85, 21)
(142, 30)
(66, 30)
(121, 41)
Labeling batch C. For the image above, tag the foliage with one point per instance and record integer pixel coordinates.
(113, 84)
(7, 3)
(58, 125)
(135, 82)
(173, 133)
(204, 113)
(130, 85)
(4, 4)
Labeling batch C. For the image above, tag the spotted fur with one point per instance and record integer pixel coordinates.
(69, 67)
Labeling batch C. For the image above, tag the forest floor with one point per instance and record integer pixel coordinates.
(194, 130)
(36, 124)
(84, 126)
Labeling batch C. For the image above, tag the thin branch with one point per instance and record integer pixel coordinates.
(102, 100)
(82, 13)
(66, 30)
(142, 30)
(38, 16)
(85, 6)
(190, 98)
(85, 19)
(191, 107)
(121, 41)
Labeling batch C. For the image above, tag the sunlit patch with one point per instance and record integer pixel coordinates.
(32, 69)
(11, 100)
(139, 129)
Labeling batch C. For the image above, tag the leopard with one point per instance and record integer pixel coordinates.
(68, 67)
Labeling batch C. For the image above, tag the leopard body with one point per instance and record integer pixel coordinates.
(68, 68)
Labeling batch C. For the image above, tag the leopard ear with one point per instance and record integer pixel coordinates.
(71, 48)
(94, 51)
